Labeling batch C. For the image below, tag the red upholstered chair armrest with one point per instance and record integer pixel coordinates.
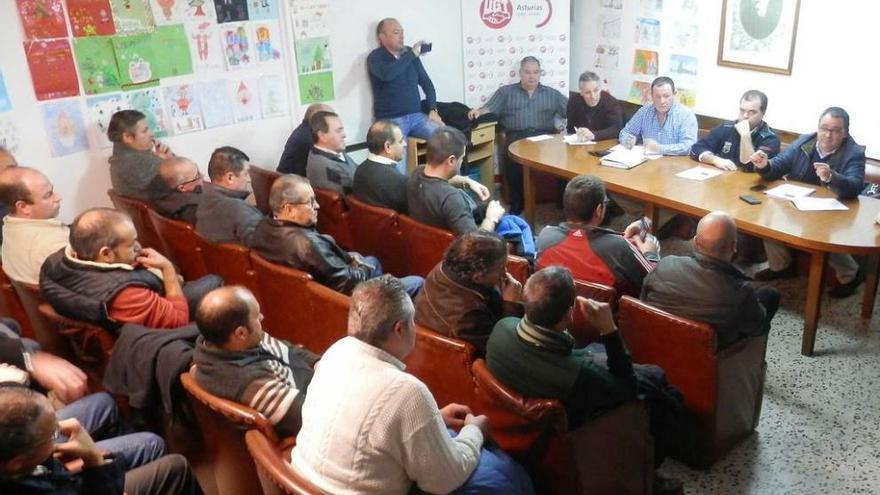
(444, 365)
(274, 463)
(519, 268)
(598, 292)
(685, 349)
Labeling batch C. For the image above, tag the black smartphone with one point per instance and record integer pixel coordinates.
(600, 153)
(644, 227)
(748, 198)
(426, 47)
(758, 187)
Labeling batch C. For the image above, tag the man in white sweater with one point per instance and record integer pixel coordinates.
(370, 428)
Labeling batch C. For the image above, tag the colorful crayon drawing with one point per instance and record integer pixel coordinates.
(204, 46)
(90, 18)
(64, 127)
(683, 64)
(245, 99)
(639, 93)
(260, 10)
(42, 19)
(97, 64)
(53, 72)
(237, 49)
(132, 16)
(168, 12)
(149, 102)
(646, 63)
(268, 41)
(184, 108)
(217, 107)
(99, 110)
(313, 54)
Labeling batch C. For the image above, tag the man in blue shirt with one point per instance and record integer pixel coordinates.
(731, 145)
(665, 126)
(830, 158)
(396, 73)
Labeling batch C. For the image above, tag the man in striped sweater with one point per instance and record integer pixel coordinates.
(236, 360)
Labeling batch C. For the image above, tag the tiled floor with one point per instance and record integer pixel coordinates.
(820, 423)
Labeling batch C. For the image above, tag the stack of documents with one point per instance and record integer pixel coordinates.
(818, 204)
(621, 157)
(789, 191)
(699, 173)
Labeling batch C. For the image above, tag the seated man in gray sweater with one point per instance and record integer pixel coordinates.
(136, 154)
(328, 167)
(227, 212)
(236, 360)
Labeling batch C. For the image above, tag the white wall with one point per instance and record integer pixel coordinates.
(834, 65)
(83, 178)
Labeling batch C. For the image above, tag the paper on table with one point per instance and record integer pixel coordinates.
(818, 204)
(789, 191)
(540, 138)
(699, 173)
(572, 139)
(640, 150)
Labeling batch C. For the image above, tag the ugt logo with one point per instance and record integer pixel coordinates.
(496, 14)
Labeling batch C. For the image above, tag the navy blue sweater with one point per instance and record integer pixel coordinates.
(396, 82)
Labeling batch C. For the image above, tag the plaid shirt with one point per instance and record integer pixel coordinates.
(676, 135)
(519, 112)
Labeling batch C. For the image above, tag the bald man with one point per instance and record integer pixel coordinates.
(238, 361)
(106, 278)
(707, 287)
(31, 230)
(296, 150)
(177, 191)
(6, 161)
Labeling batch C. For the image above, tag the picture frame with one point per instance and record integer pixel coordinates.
(758, 35)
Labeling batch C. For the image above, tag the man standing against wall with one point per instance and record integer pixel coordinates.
(396, 73)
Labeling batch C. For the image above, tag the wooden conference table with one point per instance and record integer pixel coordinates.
(654, 183)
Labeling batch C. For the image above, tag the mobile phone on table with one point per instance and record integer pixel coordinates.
(600, 154)
(748, 198)
(426, 47)
(758, 187)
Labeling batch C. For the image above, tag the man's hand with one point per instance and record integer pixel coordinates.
(454, 415)
(600, 317)
(494, 211)
(162, 150)
(57, 375)
(79, 444)
(433, 116)
(417, 47)
(480, 190)
(635, 228)
(511, 289)
(722, 163)
(150, 258)
(358, 260)
(481, 422)
(475, 113)
(823, 170)
(649, 245)
(759, 159)
(584, 134)
(652, 146)
(742, 127)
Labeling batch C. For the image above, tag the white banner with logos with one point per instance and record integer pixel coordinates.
(497, 34)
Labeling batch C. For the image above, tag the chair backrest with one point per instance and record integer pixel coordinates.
(11, 307)
(261, 182)
(44, 332)
(232, 262)
(179, 239)
(518, 424)
(331, 321)
(597, 291)
(277, 475)
(92, 345)
(519, 268)
(444, 365)
(425, 245)
(138, 211)
(333, 217)
(284, 298)
(223, 423)
(376, 231)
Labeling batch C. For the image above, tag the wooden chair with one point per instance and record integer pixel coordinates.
(11, 307)
(232, 262)
(223, 424)
(610, 453)
(284, 299)
(331, 318)
(277, 475)
(138, 210)
(333, 217)
(597, 292)
(723, 389)
(92, 345)
(376, 231)
(424, 244)
(261, 182)
(444, 365)
(44, 332)
(519, 268)
(179, 240)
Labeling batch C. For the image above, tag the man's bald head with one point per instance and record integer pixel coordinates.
(548, 296)
(178, 171)
(27, 193)
(222, 311)
(315, 108)
(98, 228)
(716, 236)
(6, 159)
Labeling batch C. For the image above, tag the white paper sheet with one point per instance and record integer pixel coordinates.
(699, 173)
(818, 204)
(789, 191)
(572, 140)
(540, 138)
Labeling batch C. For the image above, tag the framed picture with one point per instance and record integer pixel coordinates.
(758, 34)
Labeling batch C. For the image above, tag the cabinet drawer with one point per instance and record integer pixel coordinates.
(484, 135)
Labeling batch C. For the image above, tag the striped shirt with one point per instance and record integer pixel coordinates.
(518, 111)
(676, 135)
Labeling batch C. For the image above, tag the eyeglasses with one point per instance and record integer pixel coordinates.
(825, 130)
(197, 178)
(311, 202)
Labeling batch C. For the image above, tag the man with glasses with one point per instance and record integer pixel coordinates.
(377, 180)
(593, 253)
(829, 158)
(289, 237)
(178, 189)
